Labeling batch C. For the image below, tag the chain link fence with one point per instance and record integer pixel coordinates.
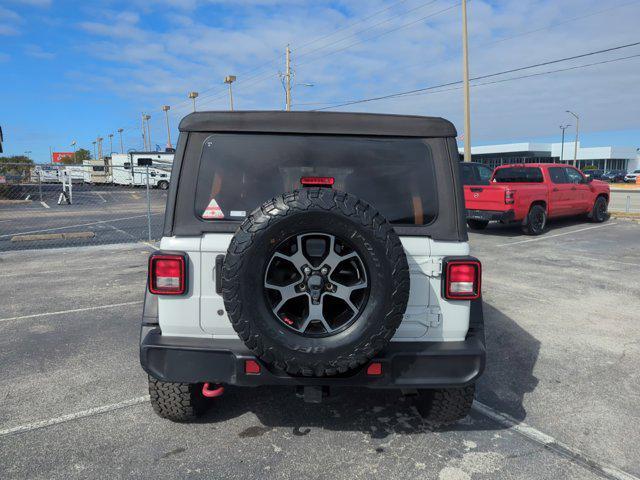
(44, 206)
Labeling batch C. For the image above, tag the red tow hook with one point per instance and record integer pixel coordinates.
(212, 393)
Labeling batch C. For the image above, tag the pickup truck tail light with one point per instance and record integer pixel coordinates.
(462, 279)
(509, 197)
(167, 274)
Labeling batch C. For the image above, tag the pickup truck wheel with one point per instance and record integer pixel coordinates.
(179, 402)
(477, 224)
(599, 212)
(315, 282)
(444, 406)
(163, 185)
(536, 220)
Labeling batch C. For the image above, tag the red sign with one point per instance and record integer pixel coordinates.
(58, 156)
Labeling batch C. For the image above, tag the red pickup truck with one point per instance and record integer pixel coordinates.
(532, 193)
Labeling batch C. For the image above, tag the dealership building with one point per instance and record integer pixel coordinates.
(606, 158)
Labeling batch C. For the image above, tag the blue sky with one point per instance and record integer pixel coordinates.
(79, 70)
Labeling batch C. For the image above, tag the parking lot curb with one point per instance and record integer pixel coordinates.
(52, 236)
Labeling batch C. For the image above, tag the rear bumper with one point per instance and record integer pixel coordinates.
(505, 216)
(404, 364)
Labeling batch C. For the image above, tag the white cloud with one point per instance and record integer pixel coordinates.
(9, 21)
(36, 51)
(197, 47)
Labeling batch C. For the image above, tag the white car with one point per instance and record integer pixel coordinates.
(631, 177)
(313, 249)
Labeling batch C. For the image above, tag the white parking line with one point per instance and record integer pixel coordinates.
(537, 239)
(74, 416)
(44, 204)
(553, 445)
(74, 310)
(78, 225)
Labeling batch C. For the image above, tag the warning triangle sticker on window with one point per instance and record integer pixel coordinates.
(213, 210)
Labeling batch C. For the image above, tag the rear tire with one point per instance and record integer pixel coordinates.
(178, 402)
(477, 224)
(536, 220)
(445, 406)
(162, 185)
(599, 211)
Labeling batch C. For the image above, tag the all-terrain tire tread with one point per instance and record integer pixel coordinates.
(315, 199)
(444, 406)
(179, 402)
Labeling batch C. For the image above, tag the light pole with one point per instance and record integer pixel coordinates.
(465, 74)
(147, 118)
(120, 130)
(94, 149)
(110, 144)
(563, 128)
(166, 109)
(229, 79)
(75, 157)
(575, 146)
(144, 134)
(193, 96)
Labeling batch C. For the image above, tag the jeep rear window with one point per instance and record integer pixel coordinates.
(518, 175)
(239, 172)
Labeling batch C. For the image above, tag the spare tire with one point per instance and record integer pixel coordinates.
(315, 282)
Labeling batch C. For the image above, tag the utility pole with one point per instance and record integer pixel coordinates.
(465, 74)
(193, 96)
(166, 109)
(120, 130)
(229, 79)
(99, 139)
(575, 146)
(287, 79)
(144, 134)
(563, 128)
(147, 118)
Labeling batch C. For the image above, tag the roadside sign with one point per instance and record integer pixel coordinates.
(58, 156)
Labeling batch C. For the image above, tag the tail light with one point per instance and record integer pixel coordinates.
(509, 197)
(167, 274)
(317, 181)
(462, 279)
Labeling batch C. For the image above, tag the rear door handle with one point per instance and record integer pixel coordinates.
(476, 189)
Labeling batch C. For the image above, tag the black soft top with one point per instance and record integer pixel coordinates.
(331, 123)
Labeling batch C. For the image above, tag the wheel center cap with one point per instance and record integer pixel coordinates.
(315, 282)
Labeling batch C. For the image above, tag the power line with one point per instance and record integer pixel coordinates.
(481, 77)
(405, 25)
(579, 17)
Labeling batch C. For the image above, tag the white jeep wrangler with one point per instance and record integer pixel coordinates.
(313, 250)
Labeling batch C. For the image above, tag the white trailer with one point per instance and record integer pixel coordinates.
(45, 173)
(97, 171)
(131, 169)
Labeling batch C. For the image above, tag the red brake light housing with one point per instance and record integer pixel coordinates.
(462, 279)
(317, 181)
(167, 273)
(509, 197)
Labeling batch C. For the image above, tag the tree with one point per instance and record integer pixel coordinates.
(81, 155)
(15, 165)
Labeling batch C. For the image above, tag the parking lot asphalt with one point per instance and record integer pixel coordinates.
(561, 319)
(113, 214)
